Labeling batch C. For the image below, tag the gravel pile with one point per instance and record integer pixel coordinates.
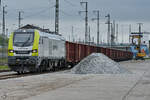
(98, 63)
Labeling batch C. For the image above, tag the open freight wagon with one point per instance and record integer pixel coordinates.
(75, 52)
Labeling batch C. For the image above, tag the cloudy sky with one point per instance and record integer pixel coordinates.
(42, 13)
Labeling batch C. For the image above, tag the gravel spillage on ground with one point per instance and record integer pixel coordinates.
(98, 63)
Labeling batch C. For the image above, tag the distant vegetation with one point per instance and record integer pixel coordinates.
(4, 68)
(3, 39)
(3, 52)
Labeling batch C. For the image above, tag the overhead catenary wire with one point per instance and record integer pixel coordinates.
(74, 6)
(67, 14)
(70, 3)
(40, 12)
(13, 12)
(43, 12)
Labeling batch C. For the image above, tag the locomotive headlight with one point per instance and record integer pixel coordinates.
(34, 51)
(11, 51)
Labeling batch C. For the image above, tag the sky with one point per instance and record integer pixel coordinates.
(42, 13)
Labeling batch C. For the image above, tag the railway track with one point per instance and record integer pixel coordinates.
(15, 75)
(3, 77)
(1, 71)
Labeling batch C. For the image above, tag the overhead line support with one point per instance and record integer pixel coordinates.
(57, 17)
(19, 19)
(98, 32)
(109, 25)
(86, 20)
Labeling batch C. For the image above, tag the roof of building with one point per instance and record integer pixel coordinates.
(28, 26)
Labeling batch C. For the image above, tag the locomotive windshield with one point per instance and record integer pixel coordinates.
(23, 39)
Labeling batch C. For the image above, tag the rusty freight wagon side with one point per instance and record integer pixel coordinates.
(75, 52)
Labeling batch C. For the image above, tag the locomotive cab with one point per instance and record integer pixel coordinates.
(23, 50)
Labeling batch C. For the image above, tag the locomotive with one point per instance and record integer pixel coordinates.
(32, 50)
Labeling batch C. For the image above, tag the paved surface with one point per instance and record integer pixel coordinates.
(107, 87)
(96, 88)
(60, 86)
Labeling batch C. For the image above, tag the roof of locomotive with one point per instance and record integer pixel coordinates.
(43, 34)
(52, 36)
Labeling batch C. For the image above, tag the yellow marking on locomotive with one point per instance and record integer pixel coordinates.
(10, 45)
(36, 43)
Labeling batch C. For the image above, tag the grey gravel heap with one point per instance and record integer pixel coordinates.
(98, 63)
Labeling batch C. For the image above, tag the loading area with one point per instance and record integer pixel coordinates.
(66, 86)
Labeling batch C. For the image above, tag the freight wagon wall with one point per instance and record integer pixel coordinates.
(76, 52)
(70, 51)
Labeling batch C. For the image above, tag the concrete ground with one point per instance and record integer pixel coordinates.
(64, 86)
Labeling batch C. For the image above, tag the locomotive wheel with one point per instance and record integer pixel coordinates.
(53, 69)
(40, 69)
(18, 72)
(50, 67)
(69, 66)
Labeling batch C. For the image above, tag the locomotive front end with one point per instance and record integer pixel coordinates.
(23, 50)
